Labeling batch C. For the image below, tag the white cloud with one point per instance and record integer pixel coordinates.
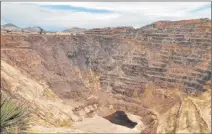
(134, 14)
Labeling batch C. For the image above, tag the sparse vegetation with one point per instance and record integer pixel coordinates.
(64, 123)
(47, 93)
(13, 117)
(57, 122)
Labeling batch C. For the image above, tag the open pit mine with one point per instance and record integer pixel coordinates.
(154, 79)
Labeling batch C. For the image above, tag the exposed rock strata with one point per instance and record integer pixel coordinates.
(158, 72)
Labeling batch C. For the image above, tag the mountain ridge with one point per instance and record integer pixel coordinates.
(78, 29)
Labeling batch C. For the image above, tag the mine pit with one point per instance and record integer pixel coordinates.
(154, 79)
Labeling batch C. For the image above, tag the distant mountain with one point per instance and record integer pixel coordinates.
(11, 27)
(75, 30)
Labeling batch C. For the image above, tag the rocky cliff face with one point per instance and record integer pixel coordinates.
(115, 31)
(76, 30)
(160, 72)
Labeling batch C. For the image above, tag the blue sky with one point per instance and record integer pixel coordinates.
(62, 15)
(204, 7)
(75, 8)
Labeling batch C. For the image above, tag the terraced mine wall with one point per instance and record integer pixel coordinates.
(119, 68)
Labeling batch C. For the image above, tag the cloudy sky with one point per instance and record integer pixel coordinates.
(63, 15)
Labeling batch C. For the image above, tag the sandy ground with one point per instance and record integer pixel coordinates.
(45, 130)
(98, 124)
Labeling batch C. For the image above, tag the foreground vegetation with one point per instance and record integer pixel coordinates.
(13, 117)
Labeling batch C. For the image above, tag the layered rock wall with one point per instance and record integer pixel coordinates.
(134, 70)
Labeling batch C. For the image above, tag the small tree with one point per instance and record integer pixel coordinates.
(41, 31)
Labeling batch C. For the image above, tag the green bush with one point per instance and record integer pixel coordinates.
(13, 117)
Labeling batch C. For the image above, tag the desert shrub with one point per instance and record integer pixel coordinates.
(47, 93)
(13, 117)
(63, 123)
